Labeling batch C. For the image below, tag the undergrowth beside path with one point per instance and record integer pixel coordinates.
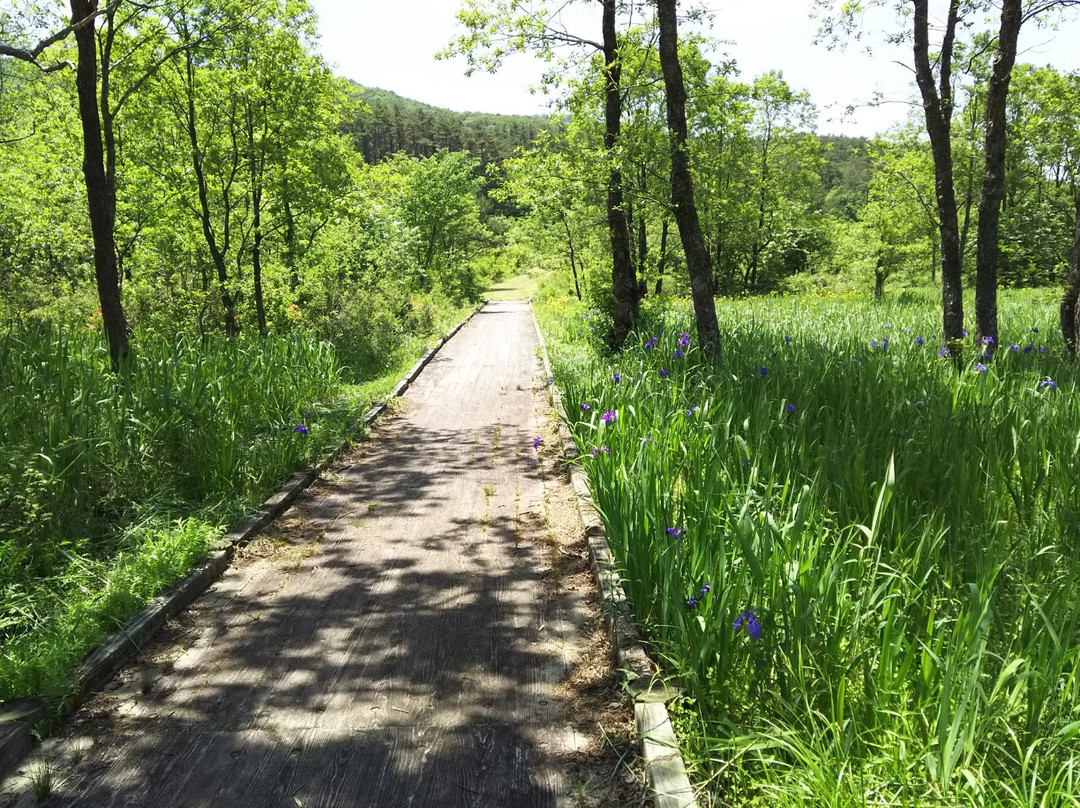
(858, 555)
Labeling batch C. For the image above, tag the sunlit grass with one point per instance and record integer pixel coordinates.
(518, 287)
(906, 531)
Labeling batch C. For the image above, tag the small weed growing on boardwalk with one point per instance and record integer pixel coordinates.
(42, 780)
(147, 676)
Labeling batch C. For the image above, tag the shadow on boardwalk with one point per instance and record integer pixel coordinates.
(406, 653)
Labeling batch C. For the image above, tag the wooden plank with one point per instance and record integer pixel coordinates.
(473, 765)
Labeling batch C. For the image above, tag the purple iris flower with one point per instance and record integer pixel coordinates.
(749, 619)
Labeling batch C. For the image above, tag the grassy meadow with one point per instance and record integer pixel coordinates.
(858, 557)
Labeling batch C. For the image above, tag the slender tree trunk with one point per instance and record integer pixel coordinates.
(642, 237)
(256, 258)
(993, 188)
(661, 261)
(938, 108)
(256, 177)
(289, 233)
(290, 238)
(1070, 299)
(682, 187)
(969, 194)
(624, 289)
(232, 326)
(570, 245)
(100, 194)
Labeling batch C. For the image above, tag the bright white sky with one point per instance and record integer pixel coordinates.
(392, 44)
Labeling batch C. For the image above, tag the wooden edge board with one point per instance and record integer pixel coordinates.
(669, 783)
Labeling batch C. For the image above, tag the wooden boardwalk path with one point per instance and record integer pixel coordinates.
(407, 657)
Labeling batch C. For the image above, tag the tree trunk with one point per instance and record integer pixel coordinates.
(570, 245)
(100, 194)
(993, 189)
(937, 106)
(256, 176)
(642, 235)
(682, 188)
(1070, 300)
(661, 261)
(289, 235)
(969, 193)
(624, 289)
(232, 325)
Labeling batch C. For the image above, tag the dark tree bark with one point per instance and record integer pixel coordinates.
(993, 188)
(624, 288)
(1070, 300)
(938, 109)
(682, 188)
(100, 191)
(255, 170)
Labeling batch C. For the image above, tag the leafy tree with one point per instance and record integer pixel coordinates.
(845, 175)
(545, 181)
(784, 174)
(439, 203)
(1041, 221)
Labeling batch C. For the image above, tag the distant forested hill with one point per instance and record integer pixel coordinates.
(391, 124)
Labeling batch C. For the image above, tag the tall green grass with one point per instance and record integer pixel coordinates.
(905, 529)
(112, 485)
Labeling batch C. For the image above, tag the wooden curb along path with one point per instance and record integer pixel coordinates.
(18, 719)
(660, 748)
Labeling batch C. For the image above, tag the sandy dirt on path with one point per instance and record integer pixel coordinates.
(420, 630)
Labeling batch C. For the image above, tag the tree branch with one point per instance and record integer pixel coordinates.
(31, 55)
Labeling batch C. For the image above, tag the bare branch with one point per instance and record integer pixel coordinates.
(31, 55)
